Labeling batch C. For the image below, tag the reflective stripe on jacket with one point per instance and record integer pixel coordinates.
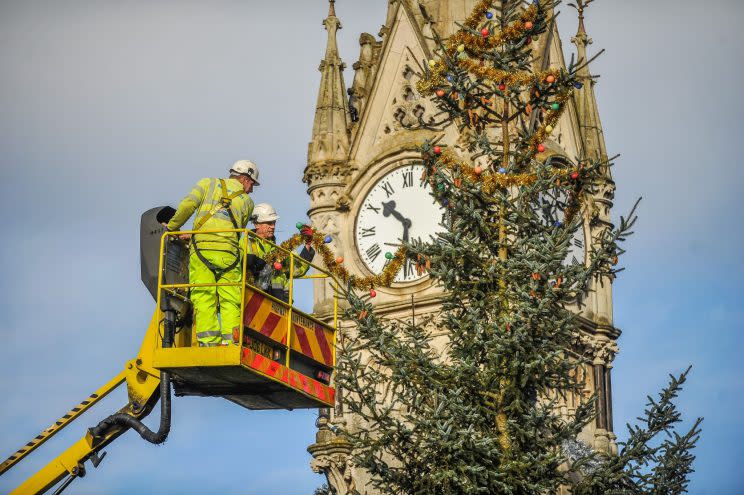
(206, 197)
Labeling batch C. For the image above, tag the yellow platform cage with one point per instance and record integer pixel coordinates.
(279, 358)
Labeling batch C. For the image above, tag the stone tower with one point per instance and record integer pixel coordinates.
(359, 140)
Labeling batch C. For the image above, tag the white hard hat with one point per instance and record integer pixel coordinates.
(246, 167)
(264, 212)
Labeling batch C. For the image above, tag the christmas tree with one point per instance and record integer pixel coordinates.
(483, 415)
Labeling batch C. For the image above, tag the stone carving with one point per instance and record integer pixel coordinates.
(332, 457)
(598, 349)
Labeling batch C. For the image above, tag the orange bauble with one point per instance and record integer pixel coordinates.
(528, 25)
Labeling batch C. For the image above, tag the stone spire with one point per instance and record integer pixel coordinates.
(330, 139)
(593, 143)
(586, 102)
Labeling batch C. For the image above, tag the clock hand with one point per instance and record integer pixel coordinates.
(389, 209)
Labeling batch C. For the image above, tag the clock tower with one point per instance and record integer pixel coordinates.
(363, 178)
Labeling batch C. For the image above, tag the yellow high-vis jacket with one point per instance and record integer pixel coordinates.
(206, 200)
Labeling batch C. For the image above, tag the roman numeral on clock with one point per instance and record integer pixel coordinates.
(373, 252)
(408, 179)
(370, 207)
(388, 189)
(368, 232)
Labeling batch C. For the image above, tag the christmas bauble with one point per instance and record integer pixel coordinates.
(550, 79)
(528, 25)
(578, 85)
(540, 148)
(485, 32)
(477, 170)
(339, 260)
(555, 106)
(502, 170)
(460, 48)
(574, 175)
(328, 239)
(502, 87)
(299, 225)
(277, 265)
(432, 63)
(388, 255)
(489, 15)
(548, 128)
(440, 93)
(372, 293)
(437, 150)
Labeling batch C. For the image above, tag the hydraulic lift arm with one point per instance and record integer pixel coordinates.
(143, 387)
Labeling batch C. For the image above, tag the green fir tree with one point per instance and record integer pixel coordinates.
(480, 414)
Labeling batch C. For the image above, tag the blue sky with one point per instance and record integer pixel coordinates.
(109, 108)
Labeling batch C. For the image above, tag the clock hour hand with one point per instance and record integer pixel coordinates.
(389, 209)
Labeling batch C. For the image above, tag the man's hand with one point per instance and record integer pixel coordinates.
(184, 237)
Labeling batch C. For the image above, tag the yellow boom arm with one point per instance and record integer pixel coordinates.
(142, 385)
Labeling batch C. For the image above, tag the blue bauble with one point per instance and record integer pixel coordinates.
(502, 170)
(489, 15)
(328, 239)
(558, 224)
(449, 78)
(578, 85)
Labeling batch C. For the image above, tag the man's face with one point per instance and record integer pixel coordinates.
(247, 183)
(265, 230)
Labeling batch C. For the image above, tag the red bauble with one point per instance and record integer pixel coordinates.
(339, 260)
(277, 265)
(372, 293)
(540, 148)
(502, 87)
(440, 93)
(477, 170)
(485, 32)
(574, 175)
(550, 79)
(528, 25)
(437, 150)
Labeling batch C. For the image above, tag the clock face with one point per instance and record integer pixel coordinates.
(398, 208)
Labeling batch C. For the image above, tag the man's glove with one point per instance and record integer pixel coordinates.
(255, 264)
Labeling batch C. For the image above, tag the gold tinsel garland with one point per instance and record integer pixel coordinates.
(335, 265)
(476, 46)
(492, 182)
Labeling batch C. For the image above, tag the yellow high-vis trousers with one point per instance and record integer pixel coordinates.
(209, 331)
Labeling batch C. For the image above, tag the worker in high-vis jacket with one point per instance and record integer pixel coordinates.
(215, 257)
(274, 282)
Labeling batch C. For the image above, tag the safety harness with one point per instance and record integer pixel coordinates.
(225, 203)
